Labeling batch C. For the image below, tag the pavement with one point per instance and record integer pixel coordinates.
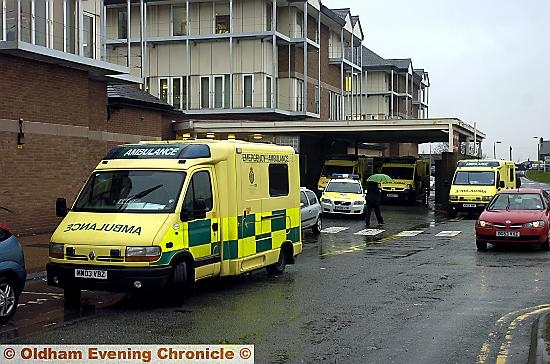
(35, 248)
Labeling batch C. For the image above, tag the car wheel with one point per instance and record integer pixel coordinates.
(481, 245)
(72, 296)
(278, 267)
(9, 297)
(318, 225)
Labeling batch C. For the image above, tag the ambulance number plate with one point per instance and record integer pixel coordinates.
(469, 205)
(393, 195)
(341, 208)
(90, 273)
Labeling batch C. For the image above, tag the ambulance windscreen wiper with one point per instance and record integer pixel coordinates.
(139, 195)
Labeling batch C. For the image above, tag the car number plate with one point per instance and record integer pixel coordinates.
(90, 273)
(341, 208)
(393, 195)
(511, 234)
(469, 205)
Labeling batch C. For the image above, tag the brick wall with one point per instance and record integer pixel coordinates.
(53, 162)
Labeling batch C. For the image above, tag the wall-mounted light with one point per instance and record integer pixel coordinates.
(20, 135)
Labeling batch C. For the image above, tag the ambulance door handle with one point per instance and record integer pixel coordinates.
(215, 226)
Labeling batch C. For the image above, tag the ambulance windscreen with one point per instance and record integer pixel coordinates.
(159, 151)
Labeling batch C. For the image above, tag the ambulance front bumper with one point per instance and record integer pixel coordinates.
(119, 279)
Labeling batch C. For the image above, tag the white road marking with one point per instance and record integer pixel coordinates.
(334, 229)
(448, 233)
(409, 233)
(369, 232)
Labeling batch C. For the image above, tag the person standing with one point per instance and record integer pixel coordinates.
(374, 196)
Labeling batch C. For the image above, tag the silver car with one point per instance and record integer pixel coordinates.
(310, 210)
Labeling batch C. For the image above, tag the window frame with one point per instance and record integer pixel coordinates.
(91, 46)
(201, 92)
(173, 23)
(191, 185)
(251, 75)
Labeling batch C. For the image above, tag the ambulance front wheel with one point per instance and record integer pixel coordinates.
(278, 267)
(71, 296)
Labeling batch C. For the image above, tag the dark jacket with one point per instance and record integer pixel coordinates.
(373, 192)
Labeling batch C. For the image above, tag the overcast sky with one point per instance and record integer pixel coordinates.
(487, 61)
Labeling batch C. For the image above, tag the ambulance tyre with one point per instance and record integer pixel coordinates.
(181, 281)
(72, 296)
(279, 267)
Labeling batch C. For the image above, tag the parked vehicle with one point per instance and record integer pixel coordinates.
(12, 273)
(166, 214)
(411, 179)
(310, 211)
(475, 182)
(515, 216)
(343, 196)
(345, 164)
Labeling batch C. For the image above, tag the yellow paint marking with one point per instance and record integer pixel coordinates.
(520, 315)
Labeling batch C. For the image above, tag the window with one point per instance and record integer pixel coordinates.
(299, 95)
(222, 20)
(317, 99)
(268, 92)
(299, 24)
(40, 23)
(11, 20)
(512, 174)
(176, 92)
(163, 89)
(227, 91)
(278, 180)
(179, 20)
(122, 24)
(222, 24)
(312, 198)
(70, 26)
(205, 92)
(199, 191)
(303, 199)
(88, 31)
(268, 16)
(25, 20)
(218, 92)
(247, 91)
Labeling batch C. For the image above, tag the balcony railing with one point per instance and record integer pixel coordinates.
(351, 54)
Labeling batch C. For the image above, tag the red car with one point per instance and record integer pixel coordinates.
(515, 216)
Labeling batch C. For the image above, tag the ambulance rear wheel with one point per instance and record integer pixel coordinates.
(72, 296)
(278, 267)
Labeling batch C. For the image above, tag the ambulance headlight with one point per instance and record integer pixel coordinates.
(56, 251)
(326, 200)
(408, 187)
(453, 198)
(358, 203)
(486, 198)
(143, 253)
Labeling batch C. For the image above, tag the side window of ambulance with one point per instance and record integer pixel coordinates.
(303, 199)
(200, 188)
(278, 180)
(512, 173)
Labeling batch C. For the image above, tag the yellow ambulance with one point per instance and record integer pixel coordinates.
(166, 214)
(410, 179)
(476, 181)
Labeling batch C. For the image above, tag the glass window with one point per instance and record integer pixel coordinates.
(299, 95)
(184, 92)
(122, 23)
(227, 86)
(218, 92)
(317, 99)
(11, 19)
(199, 189)
(311, 197)
(299, 24)
(176, 92)
(205, 92)
(247, 80)
(474, 178)
(88, 30)
(163, 89)
(519, 201)
(344, 187)
(70, 26)
(278, 180)
(40, 22)
(26, 18)
(222, 24)
(303, 199)
(268, 16)
(399, 172)
(131, 191)
(179, 20)
(268, 92)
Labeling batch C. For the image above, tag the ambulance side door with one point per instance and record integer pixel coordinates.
(201, 218)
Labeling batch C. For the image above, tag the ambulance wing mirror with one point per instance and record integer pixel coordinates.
(501, 184)
(61, 207)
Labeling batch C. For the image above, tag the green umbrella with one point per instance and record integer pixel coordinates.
(379, 178)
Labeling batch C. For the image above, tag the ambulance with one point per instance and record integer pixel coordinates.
(166, 214)
(344, 164)
(410, 179)
(475, 182)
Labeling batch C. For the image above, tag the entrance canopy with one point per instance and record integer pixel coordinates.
(453, 131)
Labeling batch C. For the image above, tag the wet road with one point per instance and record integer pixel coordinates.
(418, 292)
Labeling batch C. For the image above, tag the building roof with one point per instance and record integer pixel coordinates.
(371, 59)
(134, 95)
(401, 63)
(354, 19)
(333, 16)
(342, 13)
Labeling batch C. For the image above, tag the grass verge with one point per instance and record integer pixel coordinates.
(539, 176)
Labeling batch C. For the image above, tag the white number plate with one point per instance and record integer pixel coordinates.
(512, 234)
(393, 195)
(469, 205)
(341, 208)
(90, 273)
